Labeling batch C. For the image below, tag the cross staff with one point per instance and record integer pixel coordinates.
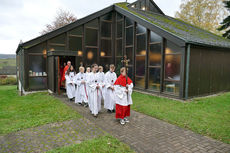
(126, 62)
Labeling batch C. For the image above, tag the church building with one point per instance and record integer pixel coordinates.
(167, 56)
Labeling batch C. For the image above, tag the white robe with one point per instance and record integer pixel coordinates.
(102, 83)
(87, 74)
(81, 94)
(70, 86)
(121, 95)
(94, 94)
(109, 101)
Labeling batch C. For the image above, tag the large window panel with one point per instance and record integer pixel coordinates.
(37, 83)
(76, 31)
(129, 36)
(172, 67)
(75, 43)
(154, 78)
(106, 29)
(91, 55)
(128, 22)
(129, 54)
(141, 29)
(93, 24)
(37, 65)
(141, 47)
(155, 55)
(59, 39)
(91, 37)
(108, 17)
(105, 62)
(119, 47)
(119, 29)
(155, 37)
(41, 48)
(106, 48)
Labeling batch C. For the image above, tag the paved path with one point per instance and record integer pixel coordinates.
(49, 136)
(146, 134)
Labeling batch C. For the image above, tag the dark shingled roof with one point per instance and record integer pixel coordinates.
(185, 31)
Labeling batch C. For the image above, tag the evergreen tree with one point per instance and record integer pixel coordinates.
(225, 25)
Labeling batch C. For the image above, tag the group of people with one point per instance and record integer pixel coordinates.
(90, 87)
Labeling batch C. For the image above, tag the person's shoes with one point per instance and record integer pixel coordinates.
(109, 111)
(122, 121)
(113, 111)
(126, 120)
(78, 104)
(95, 115)
(86, 105)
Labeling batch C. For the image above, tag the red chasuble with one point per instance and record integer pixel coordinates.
(122, 111)
(63, 75)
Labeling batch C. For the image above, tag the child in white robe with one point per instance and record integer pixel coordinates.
(81, 94)
(110, 78)
(123, 90)
(70, 85)
(94, 91)
(87, 74)
(101, 75)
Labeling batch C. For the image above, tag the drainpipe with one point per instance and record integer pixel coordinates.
(187, 71)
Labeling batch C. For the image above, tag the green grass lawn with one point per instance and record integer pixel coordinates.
(207, 116)
(17, 113)
(103, 144)
(7, 62)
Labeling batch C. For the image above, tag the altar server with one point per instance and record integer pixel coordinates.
(70, 85)
(94, 91)
(101, 75)
(123, 90)
(110, 78)
(81, 95)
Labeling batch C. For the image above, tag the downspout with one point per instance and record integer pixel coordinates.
(187, 71)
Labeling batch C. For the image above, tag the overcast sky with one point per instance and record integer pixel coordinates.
(24, 19)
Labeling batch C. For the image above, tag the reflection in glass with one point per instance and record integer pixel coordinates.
(140, 82)
(38, 48)
(58, 40)
(106, 47)
(172, 87)
(129, 54)
(37, 65)
(118, 65)
(107, 17)
(172, 67)
(128, 22)
(105, 62)
(155, 38)
(93, 24)
(37, 83)
(172, 48)
(91, 54)
(155, 55)
(56, 48)
(119, 16)
(154, 78)
(140, 29)
(119, 29)
(140, 65)
(141, 49)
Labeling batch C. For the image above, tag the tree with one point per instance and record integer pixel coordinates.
(225, 25)
(62, 18)
(206, 14)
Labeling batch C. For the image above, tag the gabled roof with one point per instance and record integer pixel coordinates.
(173, 29)
(180, 29)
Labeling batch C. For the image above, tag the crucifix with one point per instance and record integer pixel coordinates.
(126, 63)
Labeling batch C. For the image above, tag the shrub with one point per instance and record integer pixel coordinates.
(8, 81)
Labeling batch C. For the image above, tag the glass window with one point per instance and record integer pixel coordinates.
(76, 31)
(75, 43)
(140, 29)
(140, 82)
(107, 17)
(172, 48)
(91, 55)
(155, 38)
(119, 65)
(37, 65)
(172, 87)
(129, 36)
(155, 55)
(119, 48)
(106, 49)
(56, 48)
(93, 24)
(130, 72)
(37, 83)
(140, 65)
(91, 37)
(154, 79)
(59, 39)
(172, 67)
(129, 54)
(106, 29)
(128, 22)
(119, 16)
(119, 29)
(141, 45)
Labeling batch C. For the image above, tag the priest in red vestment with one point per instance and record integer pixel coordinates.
(123, 90)
(64, 71)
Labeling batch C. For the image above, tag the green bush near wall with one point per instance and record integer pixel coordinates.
(8, 81)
